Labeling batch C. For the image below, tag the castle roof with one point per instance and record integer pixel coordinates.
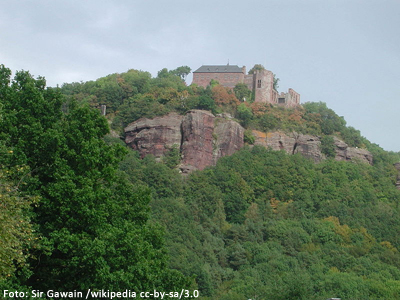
(219, 69)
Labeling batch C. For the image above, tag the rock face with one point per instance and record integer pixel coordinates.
(201, 138)
(197, 139)
(275, 140)
(309, 146)
(154, 136)
(229, 138)
(344, 152)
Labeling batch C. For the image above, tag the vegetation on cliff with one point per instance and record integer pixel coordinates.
(88, 213)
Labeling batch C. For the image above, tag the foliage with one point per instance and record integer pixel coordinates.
(182, 71)
(276, 83)
(328, 146)
(172, 158)
(259, 225)
(242, 92)
(249, 137)
(257, 67)
(16, 231)
(224, 98)
(328, 120)
(266, 224)
(93, 221)
(245, 114)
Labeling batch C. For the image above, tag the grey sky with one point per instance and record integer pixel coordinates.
(342, 52)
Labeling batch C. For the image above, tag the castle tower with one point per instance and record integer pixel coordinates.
(263, 85)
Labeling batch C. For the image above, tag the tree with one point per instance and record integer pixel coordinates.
(276, 83)
(242, 92)
(244, 113)
(93, 221)
(224, 97)
(182, 71)
(16, 231)
(328, 146)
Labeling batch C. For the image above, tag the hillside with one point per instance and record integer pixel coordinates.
(264, 224)
(247, 222)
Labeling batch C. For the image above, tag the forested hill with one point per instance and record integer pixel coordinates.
(261, 224)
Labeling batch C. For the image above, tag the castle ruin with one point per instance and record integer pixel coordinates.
(261, 83)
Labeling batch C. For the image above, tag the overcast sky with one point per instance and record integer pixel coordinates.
(342, 52)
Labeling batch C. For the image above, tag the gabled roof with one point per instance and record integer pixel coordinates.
(219, 69)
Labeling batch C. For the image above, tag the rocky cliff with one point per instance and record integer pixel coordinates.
(203, 139)
(197, 139)
(154, 136)
(309, 146)
(344, 152)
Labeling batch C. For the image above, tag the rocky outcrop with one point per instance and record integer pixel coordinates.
(197, 139)
(309, 146)
(201, 137)
(275, 140)
(154, 136)
(205, 139)
(228, 138)
(344, 152)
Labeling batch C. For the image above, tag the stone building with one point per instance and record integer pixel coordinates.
(261, 83)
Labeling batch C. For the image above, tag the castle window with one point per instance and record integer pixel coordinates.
(259, 83)
(281, 100)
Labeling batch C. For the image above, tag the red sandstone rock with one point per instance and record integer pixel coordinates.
(154, 136)
(197, 139)
(201, 142)
(280, 141)
(203, 139)
(309, 146)
(229, 138)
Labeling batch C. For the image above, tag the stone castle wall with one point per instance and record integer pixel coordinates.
(225, 79)
(261, 83)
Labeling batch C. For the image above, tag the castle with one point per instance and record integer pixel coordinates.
(261, 83)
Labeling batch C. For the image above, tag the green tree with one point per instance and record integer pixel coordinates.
(92, 219)
(242, 92)
(244, 113)
(276, 83)
(182, 71)
(16, 230)
(328, 146)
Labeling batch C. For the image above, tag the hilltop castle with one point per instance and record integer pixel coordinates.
(261, 83)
